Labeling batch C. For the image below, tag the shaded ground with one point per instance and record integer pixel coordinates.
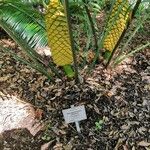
(121, 98)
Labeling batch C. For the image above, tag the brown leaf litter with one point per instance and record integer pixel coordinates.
(119, 97)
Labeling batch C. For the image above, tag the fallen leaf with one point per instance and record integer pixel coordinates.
(133, 148)
(125, 147)
(46, 146)
(144, 144)
(38, 113)
(58, 146)
(3, 79)
(68, 146)
(119, 143)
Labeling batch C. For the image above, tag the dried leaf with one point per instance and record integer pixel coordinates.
(38, 114)
(58, 146)
(144, 144)
(3, 79)
(46, 145)
(125, 147)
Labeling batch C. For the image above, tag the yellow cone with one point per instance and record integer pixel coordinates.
(116, 24)
(58, 34)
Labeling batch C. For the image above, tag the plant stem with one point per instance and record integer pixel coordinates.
(66, 5)
(121, 58)
(92, 25)
(130, 38)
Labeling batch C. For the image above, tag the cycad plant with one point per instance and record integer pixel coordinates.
(60, 24)
(26, 27)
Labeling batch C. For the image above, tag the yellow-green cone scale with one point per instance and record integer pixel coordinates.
(116, 24)
(58, 34)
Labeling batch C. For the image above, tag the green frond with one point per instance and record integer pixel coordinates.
(24, 21)
(25, 1)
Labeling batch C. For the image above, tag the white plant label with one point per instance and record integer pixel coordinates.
(75, 114)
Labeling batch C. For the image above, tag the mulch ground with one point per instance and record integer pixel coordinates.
(119, 97)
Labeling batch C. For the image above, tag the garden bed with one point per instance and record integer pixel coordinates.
(119, 97)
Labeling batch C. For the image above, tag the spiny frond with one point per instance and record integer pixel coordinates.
(28, 23)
